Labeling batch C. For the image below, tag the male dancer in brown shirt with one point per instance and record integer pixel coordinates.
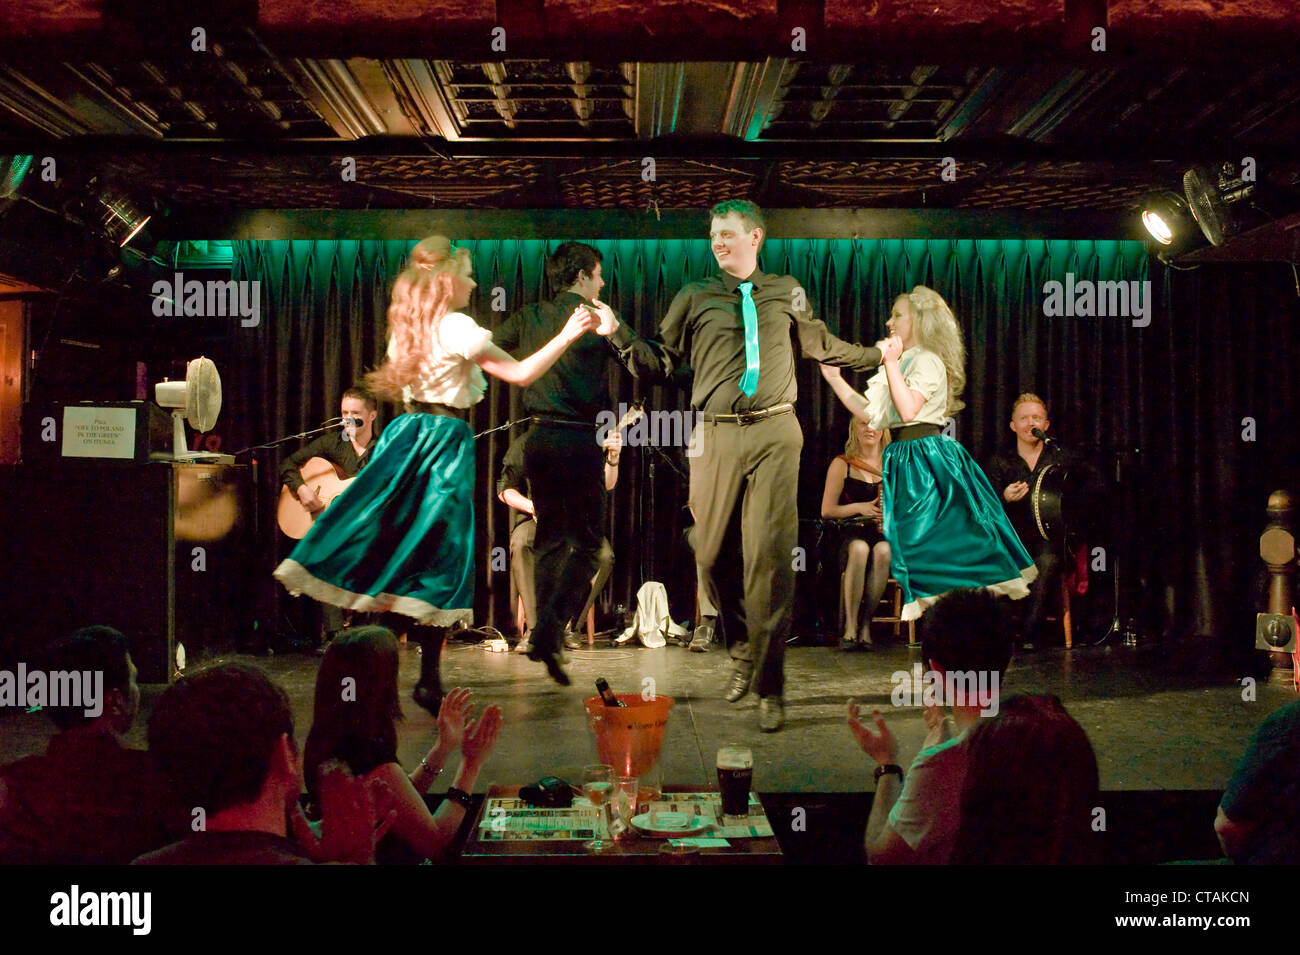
(734, 330)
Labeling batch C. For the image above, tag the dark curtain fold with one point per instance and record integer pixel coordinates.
(1164, 404)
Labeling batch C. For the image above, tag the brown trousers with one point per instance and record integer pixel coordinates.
(744, 495)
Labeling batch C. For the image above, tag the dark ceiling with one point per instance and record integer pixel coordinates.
(1002, 113)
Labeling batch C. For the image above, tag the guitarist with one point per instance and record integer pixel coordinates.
(348, 449)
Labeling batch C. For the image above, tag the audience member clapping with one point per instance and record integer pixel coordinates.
(356, 709)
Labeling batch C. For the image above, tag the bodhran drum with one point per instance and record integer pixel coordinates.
(1049, 502)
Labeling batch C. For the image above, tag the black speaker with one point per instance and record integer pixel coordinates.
(159, 551)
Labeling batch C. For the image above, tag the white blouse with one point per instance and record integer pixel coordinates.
(923, 372)
(448, 374)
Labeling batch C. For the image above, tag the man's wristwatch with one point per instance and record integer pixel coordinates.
(889, 768)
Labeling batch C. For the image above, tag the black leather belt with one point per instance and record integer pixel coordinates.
(911, 432)
(429, 407)
(748, 417)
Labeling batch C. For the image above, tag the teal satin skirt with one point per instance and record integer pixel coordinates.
(400, 537)
(946, 526)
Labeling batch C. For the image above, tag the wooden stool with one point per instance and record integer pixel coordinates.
(893, 596)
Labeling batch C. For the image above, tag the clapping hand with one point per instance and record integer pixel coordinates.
(878, 744)
(481, 737)
(452, 718)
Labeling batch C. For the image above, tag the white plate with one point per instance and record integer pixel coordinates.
(668, 824)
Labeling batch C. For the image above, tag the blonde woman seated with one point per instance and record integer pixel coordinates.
(852, 498)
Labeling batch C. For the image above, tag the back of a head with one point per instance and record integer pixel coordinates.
(1030, 788)
(570, 259)
(214, 733)
(967, 630)
(95, 649)
(356, 697)
(422, 295)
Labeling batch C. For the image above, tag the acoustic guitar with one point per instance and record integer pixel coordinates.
(322, 477)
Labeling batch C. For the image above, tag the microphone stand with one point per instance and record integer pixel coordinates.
(1129, 633)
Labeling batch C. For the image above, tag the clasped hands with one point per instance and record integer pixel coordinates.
(890, 349)
(600, 319)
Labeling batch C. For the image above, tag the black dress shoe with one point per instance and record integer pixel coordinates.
(552, 660)
(428, 698)
(740, 680)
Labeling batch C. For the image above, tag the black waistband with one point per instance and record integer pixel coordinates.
(748, 417)
(429, 407)
(910, 432)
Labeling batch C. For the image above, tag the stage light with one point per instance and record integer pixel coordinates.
(1165, 216)
(120, 218)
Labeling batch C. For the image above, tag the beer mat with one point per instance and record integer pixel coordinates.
(513, 820)
(757, 828)
(701, 842)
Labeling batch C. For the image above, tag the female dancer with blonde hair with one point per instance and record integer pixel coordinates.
(945, 524)
(400, 538)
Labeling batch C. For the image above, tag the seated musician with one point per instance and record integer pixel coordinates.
(513, 491)
(1012, 475)
(348, 449)
(852, 498)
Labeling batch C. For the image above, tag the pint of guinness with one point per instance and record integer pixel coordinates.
(735, 775)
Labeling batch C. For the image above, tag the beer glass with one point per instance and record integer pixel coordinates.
(735, 774)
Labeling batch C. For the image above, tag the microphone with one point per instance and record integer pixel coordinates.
(329, 421)
(1041, 435)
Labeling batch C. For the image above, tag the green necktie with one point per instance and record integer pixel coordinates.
(749, 381)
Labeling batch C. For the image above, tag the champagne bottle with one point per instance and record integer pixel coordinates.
(607, 694)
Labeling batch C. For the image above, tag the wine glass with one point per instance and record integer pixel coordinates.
(597, 785)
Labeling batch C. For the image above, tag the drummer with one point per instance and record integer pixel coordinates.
(1013, 475)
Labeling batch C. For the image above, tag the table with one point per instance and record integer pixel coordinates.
(484, 847)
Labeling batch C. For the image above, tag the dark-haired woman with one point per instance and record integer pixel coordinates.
(354, 720)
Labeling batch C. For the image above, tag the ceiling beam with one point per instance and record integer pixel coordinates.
(1004, 149)
(671, 224)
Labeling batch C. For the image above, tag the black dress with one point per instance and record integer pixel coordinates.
(847, 530)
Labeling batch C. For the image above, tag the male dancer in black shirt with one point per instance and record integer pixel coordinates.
(348, 449)
(734, 330)
(562, 458)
